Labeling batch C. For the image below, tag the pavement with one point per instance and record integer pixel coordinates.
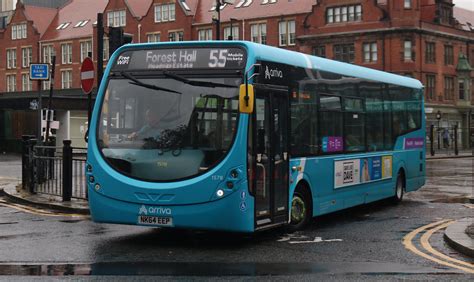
(459, 235)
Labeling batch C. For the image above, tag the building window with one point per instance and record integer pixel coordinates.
(445, 13)
(407, 4)
(165, 12)
(430, 86)
(234, 34)
(349, 13)
(47, 51)
(370, 52)
(66, 53)
(175, 36)
(26, 83)
(11, 83)
(462, 89)
(11, 58)
(205, 34)
(258, 33)
(153, 37)
(46, 84)
(344, 52)
(116, 18)
(26, 56)
(319, 51)
(106, 49)
(18, 31)
(407, 52)
(287, 33)
(448, 55)
(66, 79)
(448, 88)
(86, 47)
(430, 53)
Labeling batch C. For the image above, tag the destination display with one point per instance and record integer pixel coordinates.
(187, 58)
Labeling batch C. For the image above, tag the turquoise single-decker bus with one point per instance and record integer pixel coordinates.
(238, 136)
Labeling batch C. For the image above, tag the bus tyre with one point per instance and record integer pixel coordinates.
(300, 209)
(399, 189)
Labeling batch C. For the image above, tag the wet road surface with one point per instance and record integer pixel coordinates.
(361, 243)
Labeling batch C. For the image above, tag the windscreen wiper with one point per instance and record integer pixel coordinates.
(195, 82)
(146, 85)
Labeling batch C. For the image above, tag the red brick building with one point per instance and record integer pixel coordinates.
(428, 39)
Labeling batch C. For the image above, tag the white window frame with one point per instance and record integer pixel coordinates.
(86, 47)
(407, 4)
(26, 56)
(11, 58)
(258, 33)
(205, 34)
(176, 34)
(153, 37)
(19, 31)
(235, 32)
(117, 18)
(407, 50)
(26, 83)
(66, 53)
(47, 53)
(105, 54)
(11, 82)
(370, 52)
(66, 79)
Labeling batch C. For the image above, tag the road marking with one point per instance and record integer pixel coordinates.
(469, 206)
(34, 211)
(425, 244)
(316, 240)
(407, 242)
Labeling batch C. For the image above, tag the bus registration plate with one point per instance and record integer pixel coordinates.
(155, 220)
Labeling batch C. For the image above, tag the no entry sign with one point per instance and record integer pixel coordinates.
(87, 75)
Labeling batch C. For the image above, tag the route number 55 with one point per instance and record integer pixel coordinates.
(217, 58)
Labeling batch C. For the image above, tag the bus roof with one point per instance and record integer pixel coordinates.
(278, 55)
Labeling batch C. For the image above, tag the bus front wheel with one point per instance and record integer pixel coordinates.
(399, 189)
(300, 209)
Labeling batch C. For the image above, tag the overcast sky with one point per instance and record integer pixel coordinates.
(466, 4)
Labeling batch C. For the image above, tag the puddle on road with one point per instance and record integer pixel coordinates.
(212, 269)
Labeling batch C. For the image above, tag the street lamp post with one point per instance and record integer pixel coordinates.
(217, 18)
(438, 117)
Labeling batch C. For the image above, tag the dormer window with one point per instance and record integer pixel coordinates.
(18, 31)
(446, 14)
(116, 18)
(350, 13)
(165, 13)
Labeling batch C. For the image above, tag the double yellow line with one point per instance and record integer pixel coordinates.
(430, 253)
(31, 210)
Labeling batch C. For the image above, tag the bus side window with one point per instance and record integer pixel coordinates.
(374, 115)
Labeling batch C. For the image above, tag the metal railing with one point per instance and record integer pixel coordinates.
(449, 140)
(53, 170)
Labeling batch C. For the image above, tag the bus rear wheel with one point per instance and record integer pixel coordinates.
(399, 189)
(300, 209)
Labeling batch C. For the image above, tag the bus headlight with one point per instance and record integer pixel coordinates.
(97, 187)
(220, 193)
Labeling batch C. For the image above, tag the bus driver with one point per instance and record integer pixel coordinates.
(150, 129)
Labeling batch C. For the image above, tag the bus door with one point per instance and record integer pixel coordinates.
(272, 158)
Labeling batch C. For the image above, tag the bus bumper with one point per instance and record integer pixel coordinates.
(232, 213)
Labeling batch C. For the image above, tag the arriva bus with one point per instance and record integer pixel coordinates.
(238, 136)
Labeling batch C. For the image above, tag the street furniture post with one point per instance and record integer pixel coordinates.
(456, 151)
(432, 151)
(51, 86)
(67, 170)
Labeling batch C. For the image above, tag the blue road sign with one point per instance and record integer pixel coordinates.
(39, 71)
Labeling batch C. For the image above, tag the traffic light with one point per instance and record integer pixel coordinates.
(118, 38)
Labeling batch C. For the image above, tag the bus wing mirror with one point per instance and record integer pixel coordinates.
(246, 98)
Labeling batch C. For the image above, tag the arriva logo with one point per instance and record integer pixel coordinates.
(143, 210)
(273, 73)
(154, 210)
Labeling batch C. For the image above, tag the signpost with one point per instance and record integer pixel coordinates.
(39, 72)
(87, 83)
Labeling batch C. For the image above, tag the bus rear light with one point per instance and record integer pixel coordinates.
(230, 184)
